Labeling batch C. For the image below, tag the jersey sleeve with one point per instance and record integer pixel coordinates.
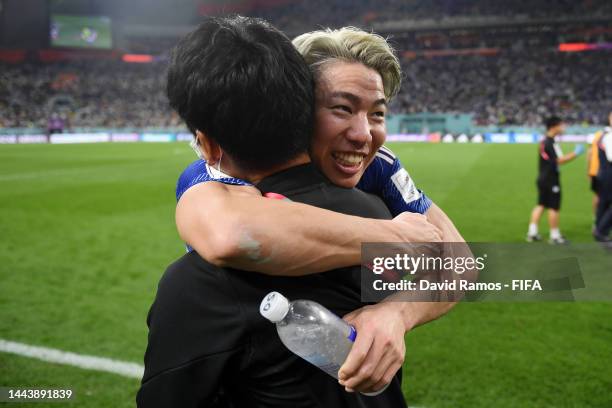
(388, 179)
(199, 172)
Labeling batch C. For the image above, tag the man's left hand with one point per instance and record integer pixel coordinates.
(379, 348)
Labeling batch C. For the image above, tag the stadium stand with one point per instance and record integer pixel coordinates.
(301, 15)
(89, 93)
(509, 88)
(505, 72)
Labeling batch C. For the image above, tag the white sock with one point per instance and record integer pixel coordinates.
(555, 233)
(533, 229)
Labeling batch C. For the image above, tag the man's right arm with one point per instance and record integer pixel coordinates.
(566, 158)
(235, 226)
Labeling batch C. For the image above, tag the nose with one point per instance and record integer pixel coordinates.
(359, 130)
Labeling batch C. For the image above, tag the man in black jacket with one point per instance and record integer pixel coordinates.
(206, 333)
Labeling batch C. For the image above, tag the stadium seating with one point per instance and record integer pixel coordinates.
(512, 73)
(93, 93)
(509, 88)
(302, 15)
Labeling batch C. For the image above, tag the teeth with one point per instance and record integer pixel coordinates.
(351, 159)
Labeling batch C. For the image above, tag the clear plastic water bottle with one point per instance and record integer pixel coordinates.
(311, 331)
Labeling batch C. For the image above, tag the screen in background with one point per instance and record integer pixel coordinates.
(81, 31)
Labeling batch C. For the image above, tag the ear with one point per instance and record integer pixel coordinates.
(211, 151)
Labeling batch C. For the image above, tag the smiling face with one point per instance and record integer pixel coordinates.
(349, 121)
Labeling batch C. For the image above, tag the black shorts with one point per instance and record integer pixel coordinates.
(549, 196)
(594, 184)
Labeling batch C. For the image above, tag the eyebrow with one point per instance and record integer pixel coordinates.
(355, 99)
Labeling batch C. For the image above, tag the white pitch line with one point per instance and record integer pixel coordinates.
(108, 365)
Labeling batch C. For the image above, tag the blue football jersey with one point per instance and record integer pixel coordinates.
(200, 172)
(384, 177)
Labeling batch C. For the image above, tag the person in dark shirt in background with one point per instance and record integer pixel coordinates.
(548, 182)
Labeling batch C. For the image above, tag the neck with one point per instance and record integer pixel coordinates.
(301, 159)
(255, 177)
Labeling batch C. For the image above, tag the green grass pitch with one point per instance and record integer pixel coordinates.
(87, 230)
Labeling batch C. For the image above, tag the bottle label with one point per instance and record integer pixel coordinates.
(352, 335)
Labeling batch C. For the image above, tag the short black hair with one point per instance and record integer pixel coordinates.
(240, 81)
(552, 121)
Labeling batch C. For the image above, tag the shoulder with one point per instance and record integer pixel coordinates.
(385, 155)
(186, 274)
(193, 172)
(385, 162)
(383, 166)
(549, 145)
(353, 201)
(196, 314)
(199, 172)
(191, 290)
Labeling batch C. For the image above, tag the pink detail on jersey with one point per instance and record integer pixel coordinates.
(275, 196)
(543, 152)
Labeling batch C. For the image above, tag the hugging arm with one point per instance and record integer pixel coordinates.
(380, 349)
(235, 226)
(437, 217)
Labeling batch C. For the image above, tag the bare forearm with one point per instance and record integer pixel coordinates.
(248, 232)
(438, 218)
(419, 313)
(567, 158)
(453, 245)
(295, 239)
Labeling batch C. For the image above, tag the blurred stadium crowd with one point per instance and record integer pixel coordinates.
(512, 88)
(301, 15)
(86, 94)
(512, 74)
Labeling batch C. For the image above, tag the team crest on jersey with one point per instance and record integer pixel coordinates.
(404, 184)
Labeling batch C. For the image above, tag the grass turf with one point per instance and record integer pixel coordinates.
(86, 231)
